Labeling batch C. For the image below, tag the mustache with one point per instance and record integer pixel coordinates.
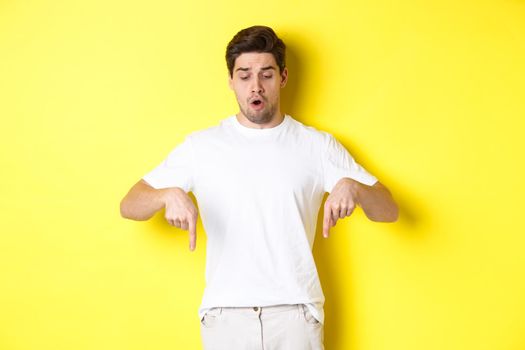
(257, 98)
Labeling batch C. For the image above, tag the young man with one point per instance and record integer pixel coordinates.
(259, 179)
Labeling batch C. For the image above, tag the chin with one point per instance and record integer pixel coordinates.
(264, 116)
(260, 120)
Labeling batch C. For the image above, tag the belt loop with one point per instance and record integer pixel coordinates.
(303, 309)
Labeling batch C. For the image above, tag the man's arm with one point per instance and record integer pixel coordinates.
(376, 201)
(142, 201)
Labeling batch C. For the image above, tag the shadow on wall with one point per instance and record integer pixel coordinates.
(292, 94)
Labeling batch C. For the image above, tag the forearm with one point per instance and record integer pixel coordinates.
(377, 202)
(142, 201)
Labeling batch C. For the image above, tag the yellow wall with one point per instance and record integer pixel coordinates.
(428, 95)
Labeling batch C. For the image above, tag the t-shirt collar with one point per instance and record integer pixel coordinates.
(253, 131)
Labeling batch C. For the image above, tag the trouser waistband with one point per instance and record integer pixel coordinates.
(261, 309)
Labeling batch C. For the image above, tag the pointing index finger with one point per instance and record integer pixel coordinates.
(193, 233)
(326, 222)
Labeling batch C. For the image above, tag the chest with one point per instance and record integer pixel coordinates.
(266, 169)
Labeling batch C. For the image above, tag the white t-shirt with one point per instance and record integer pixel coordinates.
(259, 192)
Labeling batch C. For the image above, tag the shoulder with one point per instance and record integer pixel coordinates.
(313, 134)
(210, 133)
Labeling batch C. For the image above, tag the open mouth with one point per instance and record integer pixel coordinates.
(257, 103)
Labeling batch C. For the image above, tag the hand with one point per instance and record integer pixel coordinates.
(181, 212)
(340, 203)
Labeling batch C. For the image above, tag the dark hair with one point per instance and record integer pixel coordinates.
(255, 39)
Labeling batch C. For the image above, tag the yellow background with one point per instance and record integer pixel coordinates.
(427, 95)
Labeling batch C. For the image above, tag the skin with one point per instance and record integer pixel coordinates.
(376, 201)
(256, 76)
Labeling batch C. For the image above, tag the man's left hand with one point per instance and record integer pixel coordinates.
(340, 203)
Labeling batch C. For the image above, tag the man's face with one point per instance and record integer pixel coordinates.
(257, 85)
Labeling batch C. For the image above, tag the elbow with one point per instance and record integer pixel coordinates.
(124, 211)
(385, 209)
(127, 213)
(390, 212)
(389, 215)
(393, 215)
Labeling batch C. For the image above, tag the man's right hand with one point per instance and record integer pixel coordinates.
(143, 201)
(181, 212)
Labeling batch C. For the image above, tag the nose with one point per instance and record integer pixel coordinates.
(257, 86)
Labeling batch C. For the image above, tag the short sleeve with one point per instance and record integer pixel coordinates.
(175, 170)
(338, 163)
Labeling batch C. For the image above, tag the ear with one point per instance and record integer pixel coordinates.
(284, 77)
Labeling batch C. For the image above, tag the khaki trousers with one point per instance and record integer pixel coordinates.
(282, 327)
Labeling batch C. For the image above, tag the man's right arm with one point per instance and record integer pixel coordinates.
(143, 201)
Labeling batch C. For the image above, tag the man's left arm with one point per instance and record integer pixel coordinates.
(376, 201)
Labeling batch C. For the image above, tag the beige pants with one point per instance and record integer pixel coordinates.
(283, 327)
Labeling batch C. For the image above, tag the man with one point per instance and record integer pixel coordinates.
(259, 179)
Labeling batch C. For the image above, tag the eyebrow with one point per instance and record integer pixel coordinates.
(245, 69)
